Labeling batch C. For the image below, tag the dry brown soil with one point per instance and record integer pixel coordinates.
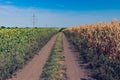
(33, 69)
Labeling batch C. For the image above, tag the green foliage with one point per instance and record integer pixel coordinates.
(2, 27)
(52, 68)
(18, 45)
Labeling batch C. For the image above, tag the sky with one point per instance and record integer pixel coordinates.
(57, 13)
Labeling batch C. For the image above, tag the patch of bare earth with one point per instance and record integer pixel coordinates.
(73, 69)
(33, 69)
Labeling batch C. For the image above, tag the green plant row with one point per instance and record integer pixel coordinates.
(53, 69)
(99, 45)
(19, 45)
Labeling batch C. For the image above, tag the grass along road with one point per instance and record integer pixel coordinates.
(54, 68)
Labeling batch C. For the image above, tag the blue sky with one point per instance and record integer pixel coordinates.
(57, 13)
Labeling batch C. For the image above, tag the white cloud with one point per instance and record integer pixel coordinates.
(13, 16)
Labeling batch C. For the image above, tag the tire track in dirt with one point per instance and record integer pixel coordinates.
(73, 69)
(33, 69)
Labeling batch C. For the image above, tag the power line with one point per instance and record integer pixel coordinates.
(46, 25)
(34, 20)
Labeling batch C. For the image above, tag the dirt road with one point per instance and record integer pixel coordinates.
(74, 72)
(33, 69)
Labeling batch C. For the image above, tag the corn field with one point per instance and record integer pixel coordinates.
(99, 45)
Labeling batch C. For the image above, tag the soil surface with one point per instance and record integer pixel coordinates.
(73, 69)
(33, 69)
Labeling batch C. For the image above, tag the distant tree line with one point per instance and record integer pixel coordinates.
(2, 27)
